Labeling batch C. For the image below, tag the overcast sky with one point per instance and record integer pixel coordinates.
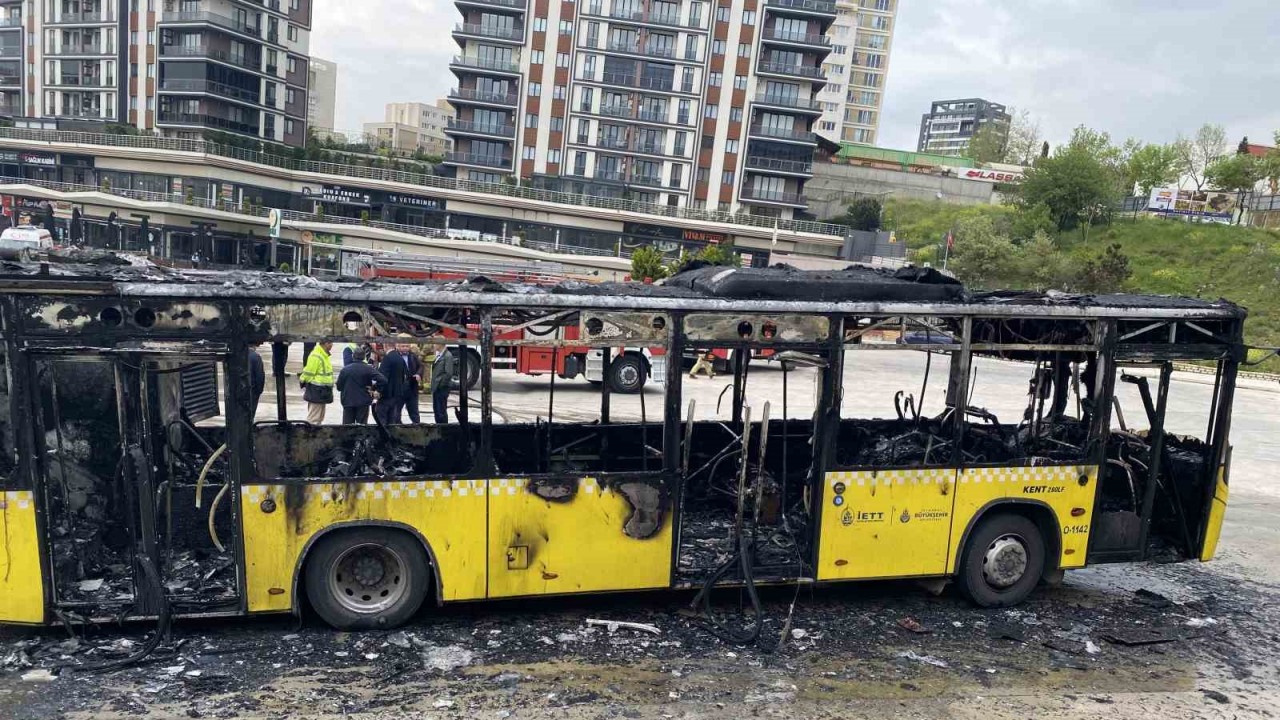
(1134, 68)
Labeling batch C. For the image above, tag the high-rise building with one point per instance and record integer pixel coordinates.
(412, 126)
(178, 68)
(322, 94)
(861, 40)
(950, 124)
(672, 102)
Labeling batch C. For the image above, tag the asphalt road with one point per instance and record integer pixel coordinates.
(846, 655)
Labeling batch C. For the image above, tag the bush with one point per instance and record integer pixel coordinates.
(864, 214)
(647, 264)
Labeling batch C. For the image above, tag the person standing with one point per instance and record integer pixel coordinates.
(356, 385)
(443, 371)
(414, 368)
(395, 368)
(257, 378)
(317, 382)
(706, 362)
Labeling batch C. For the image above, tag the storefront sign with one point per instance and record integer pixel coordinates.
(8, 157)
(983, 175)
(411, 201)
(339, 194)
(80, 161)
(712, 238)
(40, 159)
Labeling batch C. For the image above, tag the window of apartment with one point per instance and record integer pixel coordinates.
(863, 135)
(133, 102)
(686, 80)
(731, 146)
(735, 114)
(871, 79)
(580, 163)
(566, 27)
(726, 178)
(708, 142)
(288, 127)
(679, 147)
(714, 79)
(269, 125)
(151, 104)
(151, 37)
(722, 14)
(883, 5)
(876, 42)
(562, 60)
(584, 131)
(529, 152)
(292, 33)
(880, 22)
(557, 123)
(133, 37)
(828, 125)
(748, 17)
(868, 97)
(866, 117)
(691, 47)
(151, 70)
(682, 114)
(677, 175)
(292, 64)
(711, 112)
(703, 175)
(535, 89)
(744, 50)
(717, 47)
(695, 14)
(839, 49)
(589, 67)
(586, 98)
(537, 57)
(290, 96)
(874, 61)
(553, 157)
(557, 92)
(531, 120)
(739, 82)
(539, 24)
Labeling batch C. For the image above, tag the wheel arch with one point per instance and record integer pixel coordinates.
(305, 555)
(1037, 511)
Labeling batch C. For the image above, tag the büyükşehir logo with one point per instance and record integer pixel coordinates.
(905, 517)
(846, 519)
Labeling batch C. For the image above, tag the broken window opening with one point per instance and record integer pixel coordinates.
(1029, 408)
(9, 478)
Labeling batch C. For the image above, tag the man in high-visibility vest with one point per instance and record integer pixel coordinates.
(317, 382)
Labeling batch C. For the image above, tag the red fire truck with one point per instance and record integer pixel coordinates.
(630, 368)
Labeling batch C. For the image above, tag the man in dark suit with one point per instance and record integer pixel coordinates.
(257, 377)
(397, 368)
(415, 377)
(356, 384)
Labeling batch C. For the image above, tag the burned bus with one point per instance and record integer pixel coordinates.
(990, 440)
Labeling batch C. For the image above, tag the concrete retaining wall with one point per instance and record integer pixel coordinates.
(834, 186)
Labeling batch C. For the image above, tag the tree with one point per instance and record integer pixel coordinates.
(982, 257)
(646, 264)
(1076, 181)
(1150, 167)
(990, 144)
(1024, 144)
(1195, 155)
(1238, 173)
(1105, 273)
(864, 213)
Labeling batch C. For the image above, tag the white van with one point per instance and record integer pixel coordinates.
(25, 242)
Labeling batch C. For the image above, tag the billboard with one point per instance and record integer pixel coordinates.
(1205, 204)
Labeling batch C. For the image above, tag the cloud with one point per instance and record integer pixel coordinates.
(386, 51)
(1137, 68)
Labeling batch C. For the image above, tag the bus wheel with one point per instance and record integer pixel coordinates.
(367, 578)
(626, 375)
(1003, 561)
(468, 367)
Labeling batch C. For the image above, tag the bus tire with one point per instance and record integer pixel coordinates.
(468, 367)
(626, 375)
(1003, 561)
(367, 578)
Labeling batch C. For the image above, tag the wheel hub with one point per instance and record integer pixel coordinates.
(1005, 562)
(628, 375)
(368, 570)
(368, 578)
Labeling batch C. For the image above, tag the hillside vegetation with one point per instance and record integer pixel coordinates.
(1006, 246)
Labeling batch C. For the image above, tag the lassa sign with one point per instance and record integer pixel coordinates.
(991, 176)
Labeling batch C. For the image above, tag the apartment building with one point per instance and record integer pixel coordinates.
(857, 69)
(950, 124)
(176, 68)
(322, 94)
(683, 103)
(409, 126)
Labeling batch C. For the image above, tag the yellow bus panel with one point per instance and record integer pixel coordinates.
(886, 523)
(1217, 512)
(279, 521)
(21, 580)
(1058, 487)
(574, 542)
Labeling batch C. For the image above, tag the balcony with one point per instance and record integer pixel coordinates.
(212, 88)
(801, 71)
(7, 23)
(180, 51)
(10, 51)
(790, 102)
(668, 53)
(646, 180)
(649, 148)
(81, 18)
(611, 143)
(646, 18)
(489, 161)
(636, 81)
(491, 32)
(796, 38)
(654, 116)
(814, 7)
(484, 97)
(467, 127)
(778, 165)
(608, 175)
(83, 114)
(622, 111)
(92, 81)
(222, 21)
(784, 133)
(10, 81)
(463, 61)
(168, 117)
(73, 50)
(774, 197)
(508, 4)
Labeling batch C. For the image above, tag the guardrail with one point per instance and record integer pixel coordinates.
(203, 147)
